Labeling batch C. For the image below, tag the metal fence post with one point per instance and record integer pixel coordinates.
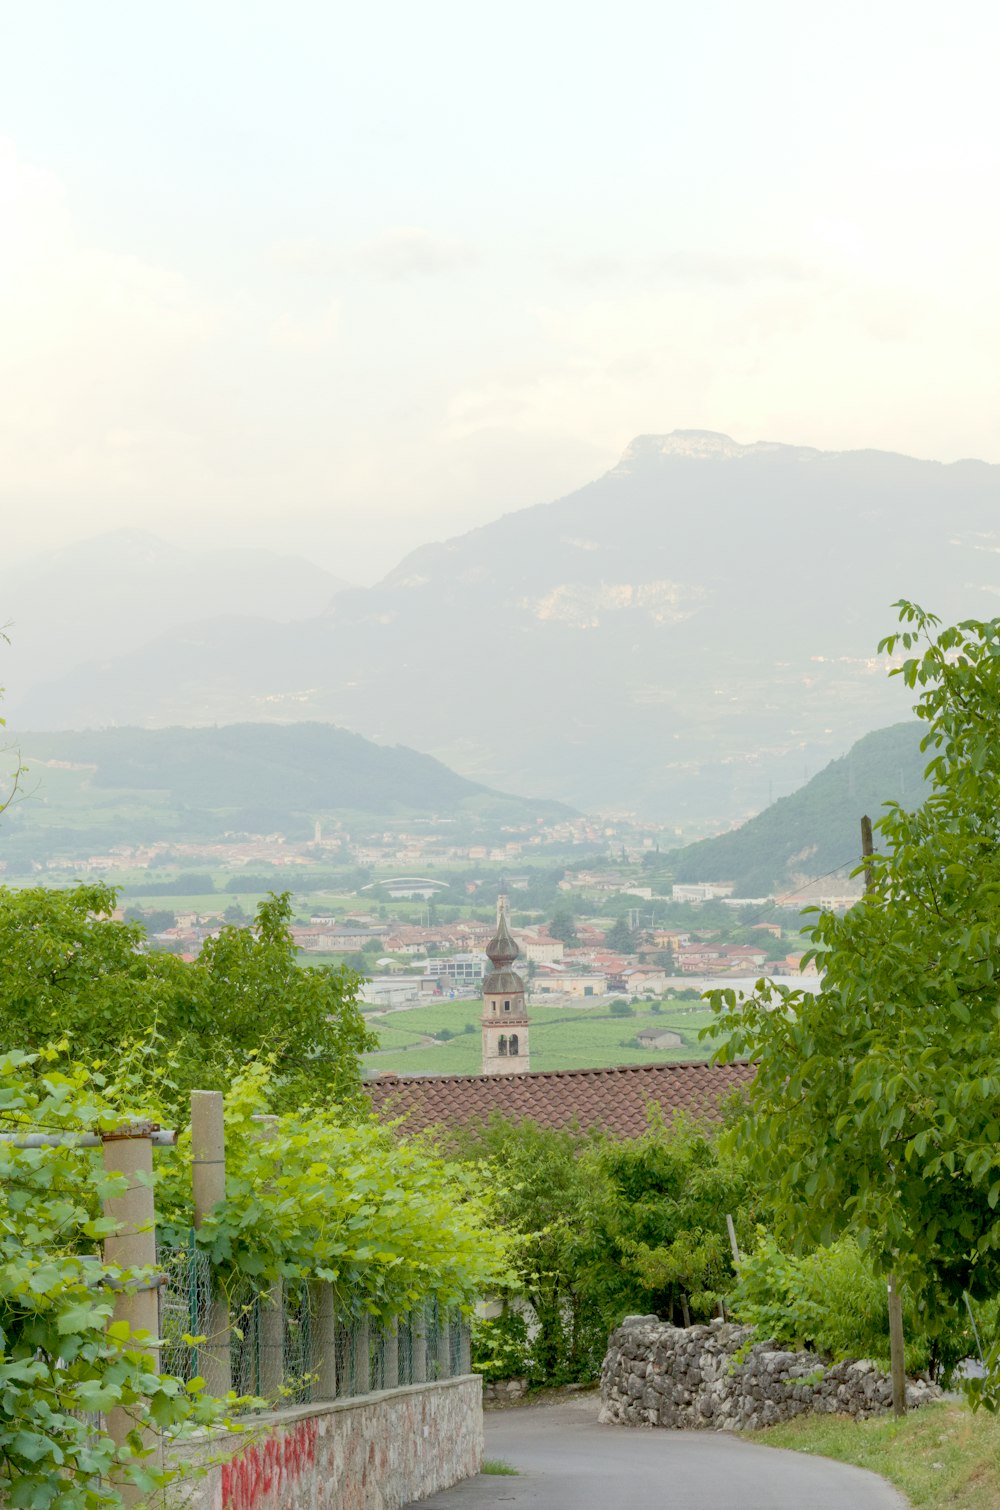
(362, 1356)
(390, 1354)
(208, 1179)
(419, 1333)
(128, 1151)
(325, 1333)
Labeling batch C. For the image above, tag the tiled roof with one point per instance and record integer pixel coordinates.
(615, 1100)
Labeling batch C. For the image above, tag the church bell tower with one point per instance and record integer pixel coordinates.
(505, 1013)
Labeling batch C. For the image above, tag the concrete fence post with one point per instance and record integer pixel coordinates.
(362, 1356)
(418, 1331)
(272, 1309)
(128, 1151)
(324, 1319)
(443, 1344)
(208, 1179)
(390, 1353)
(465, 1346)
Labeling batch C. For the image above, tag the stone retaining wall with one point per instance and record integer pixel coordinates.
(660, 1375)
(504, 1391)
(370, 1452)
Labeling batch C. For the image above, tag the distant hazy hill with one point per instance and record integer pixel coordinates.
(105, 596)
(682, 637)
(816, 829)
(137, 785)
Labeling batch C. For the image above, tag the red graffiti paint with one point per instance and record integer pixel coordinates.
(268, 1467)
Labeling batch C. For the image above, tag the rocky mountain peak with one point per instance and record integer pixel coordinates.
(702, 445)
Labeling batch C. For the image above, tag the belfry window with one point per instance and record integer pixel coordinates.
(502, 1044)
(513, 1043)
(506, 1006)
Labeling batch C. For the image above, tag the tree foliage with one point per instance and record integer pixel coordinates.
(61, 1356)
(387, 1222)
(602, 1228)
(563, 926)
(876, 1106)
(620, 937)
(833, 1302)
(69, 968)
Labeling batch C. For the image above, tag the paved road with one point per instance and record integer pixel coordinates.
(566, 1461)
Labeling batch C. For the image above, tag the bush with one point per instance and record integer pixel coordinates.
(500, 1347)
(832, 1302)
(621, 1008)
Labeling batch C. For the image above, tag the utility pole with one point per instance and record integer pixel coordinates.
(897, 1359)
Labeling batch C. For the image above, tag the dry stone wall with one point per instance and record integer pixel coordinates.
(717, 1377)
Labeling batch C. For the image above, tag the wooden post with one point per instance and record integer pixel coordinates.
(867, 850)
(730, 1228)
(208, 1179)
(390, 1353)
(325, 1332)
(272, 1310)
(897, 1357)
(418, 1331)
(897, 1347)
(129, 1151)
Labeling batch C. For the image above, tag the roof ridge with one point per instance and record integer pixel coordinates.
(598, 1069)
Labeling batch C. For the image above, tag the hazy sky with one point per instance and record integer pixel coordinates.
(343, 278)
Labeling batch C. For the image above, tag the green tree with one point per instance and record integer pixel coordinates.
(563, 926)
(601, 1228)
(70, 969)
(539, 1193)
(876, 1106)
(653, 1234)
(620, 937)
(152, 920)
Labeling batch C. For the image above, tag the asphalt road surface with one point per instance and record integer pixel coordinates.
(567, 1461)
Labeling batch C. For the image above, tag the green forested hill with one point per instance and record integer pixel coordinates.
(816, 829)
(88, 788)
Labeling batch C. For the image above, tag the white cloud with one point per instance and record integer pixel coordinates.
(405, 252)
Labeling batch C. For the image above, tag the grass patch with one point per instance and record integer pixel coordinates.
(939, 1456)
(497, 1465)
(562, 1038)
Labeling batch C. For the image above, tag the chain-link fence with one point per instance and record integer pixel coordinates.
(292, 1343)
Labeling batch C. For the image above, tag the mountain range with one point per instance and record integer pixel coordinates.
(687, 637)
(87, 790)
(814, 832)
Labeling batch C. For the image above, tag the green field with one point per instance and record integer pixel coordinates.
(562, 1038)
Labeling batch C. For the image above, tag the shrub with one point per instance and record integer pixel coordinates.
(832, 1302)
(500, 1346)
(621, 1008)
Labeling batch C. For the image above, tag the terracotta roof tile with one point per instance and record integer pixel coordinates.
(616, 1099)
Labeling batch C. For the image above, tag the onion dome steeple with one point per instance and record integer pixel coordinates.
(501, 949)
(505, 1012)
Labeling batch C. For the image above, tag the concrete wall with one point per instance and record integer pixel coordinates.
(371, 1452)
